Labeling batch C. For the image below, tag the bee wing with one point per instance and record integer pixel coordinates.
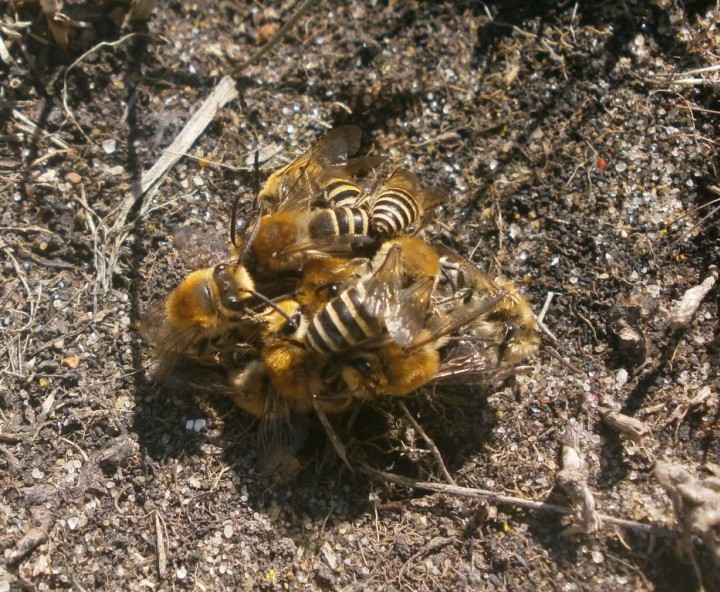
(282, 433)
(401, 179)
(431, 199)
(328, 246)
(383, 288)
(299, 193)
(459, 317)
(200, 249)
(330, 150)
(300, 178)
(405, 317)
(169, 343)
(459, 272)
(360, 165)
(470, 363)
(335, 146)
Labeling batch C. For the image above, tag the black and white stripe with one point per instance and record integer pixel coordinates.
(342, 323)
(393, 211)
(339, 222)
(341, 193)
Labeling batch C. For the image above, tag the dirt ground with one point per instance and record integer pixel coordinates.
(579, 145)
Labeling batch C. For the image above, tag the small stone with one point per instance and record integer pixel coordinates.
(71, 361)
(73, 177)
(621, 377)
(109, 146)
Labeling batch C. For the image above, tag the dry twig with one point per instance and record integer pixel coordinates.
(683, 310)
(89, 52)
(223, 93)
(160, 536)
(334, 439)
(697, 509)
(258, 55)
(39, 532)
(572, 479)
(429, 442)
(632, 428)
(518, 502)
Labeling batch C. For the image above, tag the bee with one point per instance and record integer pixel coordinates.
(208, 303)
(288, 239)
(299, 375)
(285, 355)
(323, 278)
(339, 221)
(389, 303)
(209, 317)
(283, 427)
(246, 383)
(511, 326)
(312, 201)
(389, 370)
(338, 190)
(397, 370)
(399, 206)
(323, 169)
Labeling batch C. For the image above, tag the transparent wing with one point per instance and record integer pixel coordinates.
(383, 288)
(199, 249)
(282, 433)
(470, 363)
(406, 315)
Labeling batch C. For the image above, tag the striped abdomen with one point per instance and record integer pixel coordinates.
(393, 211)
(339, 221)
(342, 323)
(341, 193)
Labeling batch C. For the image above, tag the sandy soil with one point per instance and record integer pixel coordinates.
(579, 149)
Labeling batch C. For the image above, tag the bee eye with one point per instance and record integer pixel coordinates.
(331, 289)
(291, 326)
(512, 330)
(365, 367)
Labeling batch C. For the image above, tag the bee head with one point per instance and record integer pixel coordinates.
(194, 302)
(284, 319)
(234, 285)
(521, 341)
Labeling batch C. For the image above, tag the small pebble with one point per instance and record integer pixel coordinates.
(621, 377)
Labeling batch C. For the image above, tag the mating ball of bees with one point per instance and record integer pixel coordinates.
(333, 296)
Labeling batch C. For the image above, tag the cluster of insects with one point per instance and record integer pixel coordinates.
(332, 296)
